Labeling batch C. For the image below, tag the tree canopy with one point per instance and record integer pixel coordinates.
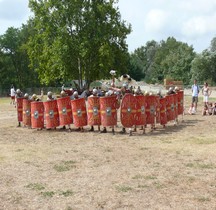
(83, 40)
(168, 58)
(77, 39)
(14, 60)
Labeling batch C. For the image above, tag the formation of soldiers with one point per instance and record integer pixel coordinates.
(136, 109)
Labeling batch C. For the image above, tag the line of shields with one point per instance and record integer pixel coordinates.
(135, 111)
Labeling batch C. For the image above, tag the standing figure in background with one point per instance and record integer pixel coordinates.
(42, 95)
(195, 92)
(12, 95)
(206, 92)
(63, 87)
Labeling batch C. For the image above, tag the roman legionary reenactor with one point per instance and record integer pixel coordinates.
(141, 107)
(79, 112)
(151, 106)
(65, 111)
(170, 107)
(37, 112)
(108, 110)
(180, 98)
(157, 112)
(27, 110)
(51, 112)
(94, 110)
(50, 96)
(19, 104)
(125, 90)
(34, 97)
(128, 112)
(163, 111)
(174, 105)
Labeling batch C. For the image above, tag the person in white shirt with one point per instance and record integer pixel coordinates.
(12, 95)
(195, 92)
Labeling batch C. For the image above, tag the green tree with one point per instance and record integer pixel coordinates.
(77, 39)
(136, 70)
(173, 59)
(14, 59)
(213, 45)
(204, 67)
(142, 60)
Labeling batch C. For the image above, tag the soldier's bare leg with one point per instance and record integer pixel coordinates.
(69, 128)
(113, 131)
(143, 128)
(123, 130)
(130, 131)
(104, 130)
(135, 128)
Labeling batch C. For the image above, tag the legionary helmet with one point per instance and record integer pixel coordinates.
(34, 96)
(63, 93)
(75, 94)
(146, 93)
(176, 88)
(94, 91)
(18, 91)
(26, 96)
(151, 93)
(171, 89)
(110, 92)
(49, 94)
(137, 91)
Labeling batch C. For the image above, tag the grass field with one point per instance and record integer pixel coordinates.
(169, 168)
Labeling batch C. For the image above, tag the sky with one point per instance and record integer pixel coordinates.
(189, 21)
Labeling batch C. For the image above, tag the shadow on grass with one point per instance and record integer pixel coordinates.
(169, 129)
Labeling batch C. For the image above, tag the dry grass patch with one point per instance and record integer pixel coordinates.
(202, 140)
(65, 166)
(169, 168)
(199, 165)
(123, 188)
(35, 186)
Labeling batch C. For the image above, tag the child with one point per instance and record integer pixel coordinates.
(210, 108)
(214, 109)
(205, 110)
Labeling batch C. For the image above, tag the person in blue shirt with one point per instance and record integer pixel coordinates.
(195, 93)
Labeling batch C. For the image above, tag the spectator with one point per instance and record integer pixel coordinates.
(206, 92)
(195, 92)
(12, 95)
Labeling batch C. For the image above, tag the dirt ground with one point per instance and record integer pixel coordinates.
(170, 168)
